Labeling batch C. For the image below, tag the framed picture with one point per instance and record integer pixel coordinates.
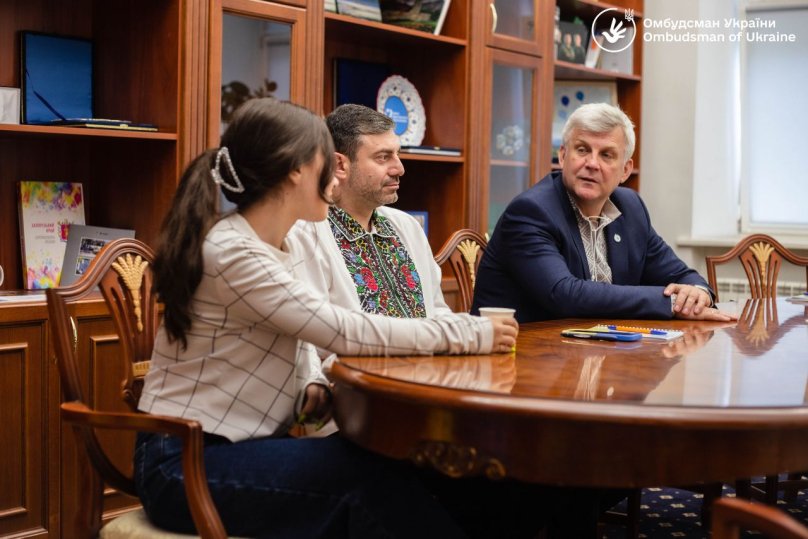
(56, 76)
(83, 243)
(423, 219)
(358, 82)
(361, 9)
(423, 15)
(574, 39)
(569, 95)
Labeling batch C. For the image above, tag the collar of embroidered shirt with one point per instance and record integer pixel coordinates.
(608, 214)
(352, 230)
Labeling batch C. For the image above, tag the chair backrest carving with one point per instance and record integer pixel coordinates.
(463, 251)
(121, 272)
(761, 257)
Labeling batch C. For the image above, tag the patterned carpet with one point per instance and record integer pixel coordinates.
(668, 512)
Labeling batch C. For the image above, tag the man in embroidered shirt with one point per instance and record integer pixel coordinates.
(391, 271)
(578, 245)
(389, 263)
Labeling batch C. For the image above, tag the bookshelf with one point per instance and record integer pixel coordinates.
(430, 183)
(128, 177)
(143, 51)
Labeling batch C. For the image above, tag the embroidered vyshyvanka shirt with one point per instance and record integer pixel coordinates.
(386, 279)
(594, 240)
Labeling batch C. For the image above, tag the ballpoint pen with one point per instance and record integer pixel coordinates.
(601, 335)
(647, 331)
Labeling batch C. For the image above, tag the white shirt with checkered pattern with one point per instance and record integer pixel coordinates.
(250, 346)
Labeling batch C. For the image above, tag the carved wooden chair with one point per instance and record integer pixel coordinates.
(122, 272)
(761, 257)
(730, 516)
(463, 251)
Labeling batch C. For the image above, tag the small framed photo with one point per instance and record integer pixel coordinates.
(426, 16)
(361, 9)
(574, 40)
(83, 243)
(423, 219)
(568, 95)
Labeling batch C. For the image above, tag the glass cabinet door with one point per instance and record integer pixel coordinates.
(254, 58)
(513, 24)
(513, 129)
(257, 54)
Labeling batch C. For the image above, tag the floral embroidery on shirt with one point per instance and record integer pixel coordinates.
(385, 276)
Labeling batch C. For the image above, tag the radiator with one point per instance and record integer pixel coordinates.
(738, 289)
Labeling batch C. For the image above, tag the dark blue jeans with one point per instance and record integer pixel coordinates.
(292, 488)
(328, 487)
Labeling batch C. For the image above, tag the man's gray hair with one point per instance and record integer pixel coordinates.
(600, 118)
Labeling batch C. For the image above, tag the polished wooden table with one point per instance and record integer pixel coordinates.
(723, 401)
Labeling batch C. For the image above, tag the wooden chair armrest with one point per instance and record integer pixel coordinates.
(206, 517)
(731, 515)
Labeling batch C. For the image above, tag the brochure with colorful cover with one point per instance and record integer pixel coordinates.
(46, 210)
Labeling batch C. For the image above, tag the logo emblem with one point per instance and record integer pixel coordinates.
(616, 38)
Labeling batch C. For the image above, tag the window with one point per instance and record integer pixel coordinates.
(774, 77)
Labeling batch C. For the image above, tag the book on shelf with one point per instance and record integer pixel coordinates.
(431, 150)
(83, 243)
(330, 5)
(362, 9)
(21, 296)
(46, 210)
(423, 15)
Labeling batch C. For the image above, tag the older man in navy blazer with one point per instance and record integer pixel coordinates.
(578, 245)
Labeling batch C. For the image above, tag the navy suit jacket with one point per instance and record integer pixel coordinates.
(536, 263)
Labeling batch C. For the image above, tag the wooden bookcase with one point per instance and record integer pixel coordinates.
(509, 91)
(629, 85)
(145, 58)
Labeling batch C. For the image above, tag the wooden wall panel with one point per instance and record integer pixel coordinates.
(23, 453)
(98, 349)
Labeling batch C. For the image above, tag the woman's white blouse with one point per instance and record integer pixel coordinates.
(251, 343)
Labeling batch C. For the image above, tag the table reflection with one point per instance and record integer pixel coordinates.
(495, 373)
(760, 361)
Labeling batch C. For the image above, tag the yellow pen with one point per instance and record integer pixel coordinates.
(647, 331)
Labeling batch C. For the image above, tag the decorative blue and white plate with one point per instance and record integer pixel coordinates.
(398, 99)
